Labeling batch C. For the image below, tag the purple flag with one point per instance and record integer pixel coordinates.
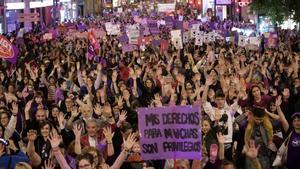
(8, 51)
(170, 132)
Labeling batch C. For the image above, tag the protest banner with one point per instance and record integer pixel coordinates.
(170, 7)
(170, 132)
(7, 50)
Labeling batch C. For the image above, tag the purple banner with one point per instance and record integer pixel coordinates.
(170, 132)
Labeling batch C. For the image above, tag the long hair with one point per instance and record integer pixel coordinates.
(89, 150)
(251, 97)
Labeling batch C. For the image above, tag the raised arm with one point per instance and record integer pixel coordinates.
(284, 122)
(10, 129)
(108, 137)
(33, 156)
(221, 141)
(77, 132)
(55, 140)
(128, 144)
(99, 75)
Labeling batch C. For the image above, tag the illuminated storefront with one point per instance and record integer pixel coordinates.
(46, 11)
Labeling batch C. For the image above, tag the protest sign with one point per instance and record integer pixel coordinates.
(271, 41)
(7, 50)
(199, 38)
(170, 7)
(255, 41)
(176, 39)
(194, 30)
(112, 29)
(243, 41)
(133, 35)
(175, 34)
(186, 37)
(170, 132)
(206, 38)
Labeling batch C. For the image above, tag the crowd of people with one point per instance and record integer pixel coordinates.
(61, 109)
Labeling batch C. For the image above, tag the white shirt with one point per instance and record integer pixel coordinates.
(92, 141)
(229, 110)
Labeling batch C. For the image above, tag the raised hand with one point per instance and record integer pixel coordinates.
(221, 138)
(104, 78)
(122, 116)
(31, 135)
(278, 101)
(15, 108)
(54, 139)
(28, 106)
(108, 134)
(129, 142)
(98, 110)
(208, 80)
(61, 119)
(74, 112)
(77, 129)
(48, 165)
(252, 151)
(120, 101)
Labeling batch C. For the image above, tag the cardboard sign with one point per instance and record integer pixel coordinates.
(186, 37)
(255, 40)
(170, 132)
(243, 41)
(199, 38)
(166, 7)
(133, 36)
(112, 29)
(194, 30)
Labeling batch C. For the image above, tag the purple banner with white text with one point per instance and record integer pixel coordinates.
(170, 132)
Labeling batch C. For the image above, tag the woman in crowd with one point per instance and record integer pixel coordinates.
(72, 101)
